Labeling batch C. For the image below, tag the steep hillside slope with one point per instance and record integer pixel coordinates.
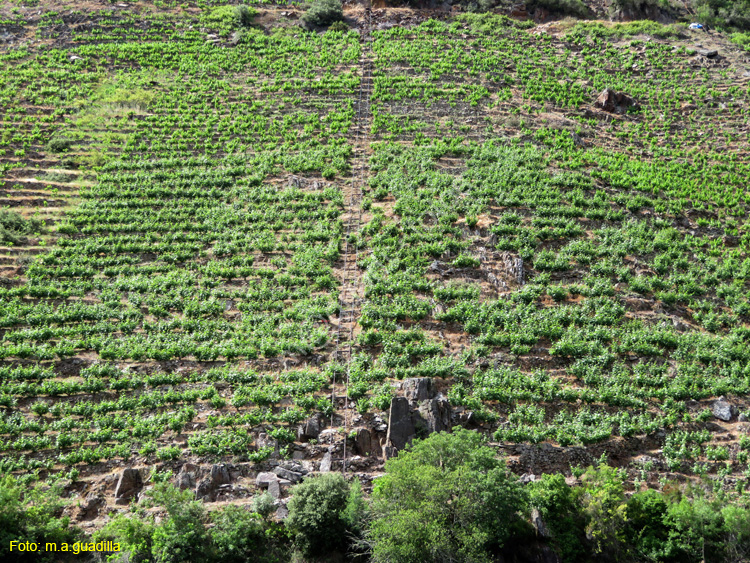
(271, 247)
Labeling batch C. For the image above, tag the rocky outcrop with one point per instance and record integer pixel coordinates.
(615, 102)
(418, 388)
(311, 428)
(186, 477)
(89, 509)
(365, 443)
(436, 415)
(207, 488)
(722, 410)
(128, 486)
(325, 463)
(401, 428)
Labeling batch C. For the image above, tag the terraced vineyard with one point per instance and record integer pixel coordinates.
(241, 241)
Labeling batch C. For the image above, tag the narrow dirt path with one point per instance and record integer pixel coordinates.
(352, 287)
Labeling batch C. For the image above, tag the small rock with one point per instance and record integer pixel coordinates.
(614, 102)
(286, 474)
(274, 489)
(708, 53)
(722, 410)
(325, 464)
(418, 388)
(312, 427)
(281, 513)
(128, 486)
(742, 417)
(265, 478)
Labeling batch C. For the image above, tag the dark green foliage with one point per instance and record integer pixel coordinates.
(182, 537)
(338, 26)
(317, 514)
(32, 514)
(323, 12)
(558, 508)
(134, 534)
(229, 18)
(239, 536)
(59, 144)
(596, 520)
(13, 226)
(723, 14)
(567, 7)
(448, 498)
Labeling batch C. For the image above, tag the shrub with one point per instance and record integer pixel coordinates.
(31, 514)
(323, 12)
(338, 26)
(13, 226)
(229, 18)
(724, 14)
(133, 533)
(317, 514)
(239, 535)
(182, 536)
(567, 7)
(447, 498)
(59, 144)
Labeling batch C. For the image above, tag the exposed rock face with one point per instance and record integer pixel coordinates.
(365, 443)
(207, 488)
(311, 428)
(419, 388)
(264, 478)
(436, 414)
(290, 471)
(400, 424)
(90, 509)
(128, 486)
(539, 526)
(614, 102)
(722, 410)
(274, 489)
(219, 474)
(325, 464)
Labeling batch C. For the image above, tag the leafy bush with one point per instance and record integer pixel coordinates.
(31, 514)
(182, 535)
(723, 14)
(59, 144)
(323, 12)
(317, 514)
(133, 533)
(229, 18)
(741, 39)
(567, 7)
(13, 226)
(447, 498)
(239, 535)
(338, 26)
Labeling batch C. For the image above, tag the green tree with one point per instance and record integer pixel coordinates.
(182, 536)
(133, 533)
(323, 12)
(556, 502)
(317, 514)
(240, 535)
(32, 514)
(602, 499)
(447, 498)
